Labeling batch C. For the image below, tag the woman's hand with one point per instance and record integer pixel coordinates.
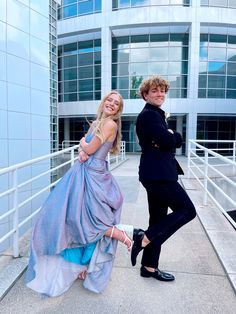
(83, 156)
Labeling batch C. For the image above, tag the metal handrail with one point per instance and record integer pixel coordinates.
(13, 190)
(204, 170)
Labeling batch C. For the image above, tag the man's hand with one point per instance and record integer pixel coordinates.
(171, 131)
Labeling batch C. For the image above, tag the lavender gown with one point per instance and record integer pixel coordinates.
(77, 213)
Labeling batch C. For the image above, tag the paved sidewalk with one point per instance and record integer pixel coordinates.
(202, 285)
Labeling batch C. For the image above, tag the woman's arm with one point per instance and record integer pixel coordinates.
(108, 130)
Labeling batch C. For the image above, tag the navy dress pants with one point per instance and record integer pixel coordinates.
(161, 196)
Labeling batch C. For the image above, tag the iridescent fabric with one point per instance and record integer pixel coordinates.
(77, 213)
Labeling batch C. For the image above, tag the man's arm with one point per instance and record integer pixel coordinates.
(152, 123)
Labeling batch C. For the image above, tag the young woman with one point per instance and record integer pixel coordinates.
(77, 230)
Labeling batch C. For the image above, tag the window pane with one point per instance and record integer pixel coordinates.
(123, 55)
(140, 39)
(98, 7)
(217, 67)
(69, 11)
(202, 81)
(216, 81)
(124, 93)
(98, 84)
(85, 46)
(139, 55)
(85, 72)
(85, 85)
(70, 86)
(85, 7)
(215, 93)
(231, 94)
(120, 42)
(217, 54)
(217, 40)
(86, 59)
(85, 96)
(203, 67)
(70, 74)
(158, 67)
(203, 53)
(70, 61)
(70, 48)
(231, 68)
(159, 54)
(231, 82)
(60, 75)
(97, 71)
(159, 39)
(70, 97)
(231, 54)
(178, 39)
(232, 41)
(122, 69)
(97, 58)
(97, 95)
(138, 69)
(122, 82)
(177, 81)
(174, 68)
(202, 93)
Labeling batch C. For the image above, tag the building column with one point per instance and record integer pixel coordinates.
(67, 131)
(194, 45)
(179, 129)
(106, 48)
(191, 128)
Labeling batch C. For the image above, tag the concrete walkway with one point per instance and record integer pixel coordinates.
(202, 282)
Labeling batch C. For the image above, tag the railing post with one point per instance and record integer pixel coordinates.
(234, 149)
(72, 157)
(16, 214)
(189, 156)
(123, 150)
(205, 176)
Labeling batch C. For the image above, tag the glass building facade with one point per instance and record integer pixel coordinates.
(120, 4)
(139, 38)
(217, 66)
(219, 3)
(136, 57)
(28, 98)
(79, 71)
(73, 8)
(53, 74)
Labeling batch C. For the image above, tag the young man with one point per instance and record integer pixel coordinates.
(158, 172)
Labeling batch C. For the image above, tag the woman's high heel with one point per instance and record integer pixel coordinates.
(127, 241)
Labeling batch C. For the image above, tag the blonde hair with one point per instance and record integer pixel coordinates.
(98, 123)
(153, 81)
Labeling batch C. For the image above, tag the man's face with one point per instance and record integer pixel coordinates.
(155, 96)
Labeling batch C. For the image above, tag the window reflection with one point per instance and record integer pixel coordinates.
(79, 73)
(143, 56)
(219, 55)
(121, 4)
(71, 8)
(219, 3)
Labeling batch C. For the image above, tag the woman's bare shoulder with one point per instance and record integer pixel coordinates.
(110, 124)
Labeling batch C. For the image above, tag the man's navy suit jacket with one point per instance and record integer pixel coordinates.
(158, 145)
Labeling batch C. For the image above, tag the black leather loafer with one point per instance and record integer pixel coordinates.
(138, 235)
(157, 274)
